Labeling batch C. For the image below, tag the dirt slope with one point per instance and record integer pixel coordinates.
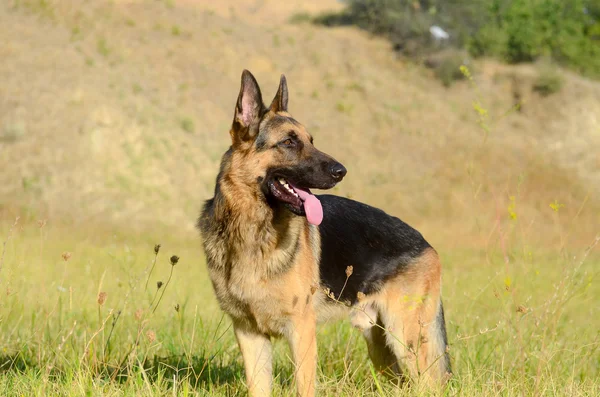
(118, 113)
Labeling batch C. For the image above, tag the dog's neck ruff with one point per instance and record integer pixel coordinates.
(250, 231)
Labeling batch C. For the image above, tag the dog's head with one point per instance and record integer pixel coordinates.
(274, 155)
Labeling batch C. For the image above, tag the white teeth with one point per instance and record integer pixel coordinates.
(287, 187)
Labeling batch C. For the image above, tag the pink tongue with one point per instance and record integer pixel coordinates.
(312, 206)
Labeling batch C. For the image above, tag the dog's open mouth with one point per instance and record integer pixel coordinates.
(300, 201)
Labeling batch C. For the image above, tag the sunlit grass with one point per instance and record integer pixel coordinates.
(76, 317)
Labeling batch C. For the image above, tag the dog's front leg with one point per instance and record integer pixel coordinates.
(257, 353)
(303, 343)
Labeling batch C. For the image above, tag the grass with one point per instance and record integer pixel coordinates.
(187, 124)
(82, 312)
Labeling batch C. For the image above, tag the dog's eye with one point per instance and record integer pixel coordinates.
(288, 142)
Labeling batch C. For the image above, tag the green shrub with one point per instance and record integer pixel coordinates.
(446, 66)
(187, 124)
(300, 17)
(567, 31)
(549, 81)
(488, 41)
(524, 38)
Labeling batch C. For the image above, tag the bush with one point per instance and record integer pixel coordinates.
(488, 41)
(446, 66)
(404, 24)
(567, 31)
(548, 81)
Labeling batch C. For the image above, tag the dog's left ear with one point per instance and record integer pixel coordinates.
(248, 110)
(280, 102)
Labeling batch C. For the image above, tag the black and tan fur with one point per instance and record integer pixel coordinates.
(277, 275)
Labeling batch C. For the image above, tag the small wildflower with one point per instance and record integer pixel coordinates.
(102, 298)
(466, 72)
(66, 256)
(151, 335)
(159, 284)
(156, 248)
(556, 206)
(349, 271)
(511, 208)
(177, 308)
(174, 260)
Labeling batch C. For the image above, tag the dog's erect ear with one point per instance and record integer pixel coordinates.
(248, 108)
(280, 102)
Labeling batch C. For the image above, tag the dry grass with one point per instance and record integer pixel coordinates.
(113, 117)
(105, 108)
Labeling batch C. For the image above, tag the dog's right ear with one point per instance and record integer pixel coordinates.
(248, 110)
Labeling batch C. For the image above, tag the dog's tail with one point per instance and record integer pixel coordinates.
(438, 350)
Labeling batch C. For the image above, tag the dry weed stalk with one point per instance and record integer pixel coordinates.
(10, 232)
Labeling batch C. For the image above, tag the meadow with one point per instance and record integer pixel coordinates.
(89, 312)
(113, 117)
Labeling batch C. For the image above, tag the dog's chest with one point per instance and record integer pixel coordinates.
(247, 292)
(246, 296)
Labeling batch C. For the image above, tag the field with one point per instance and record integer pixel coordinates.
(113, 117)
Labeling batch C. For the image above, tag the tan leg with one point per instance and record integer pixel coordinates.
(257, 353)
(303, 344)
(414, 324)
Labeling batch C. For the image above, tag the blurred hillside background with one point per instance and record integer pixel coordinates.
(477, 122)
(117, 112)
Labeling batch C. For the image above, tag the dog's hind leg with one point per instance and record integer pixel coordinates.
(257, 353)
(413, 318)
(366, 318)
(383, 357)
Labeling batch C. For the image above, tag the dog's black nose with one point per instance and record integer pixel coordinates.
(338, 171)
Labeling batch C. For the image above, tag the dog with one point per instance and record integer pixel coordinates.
(281, 259)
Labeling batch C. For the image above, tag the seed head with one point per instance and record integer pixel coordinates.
(177, 308)
(101, 298)
(151, 335)
(66, 256)
(349, 271)
(522, 309)
(159, 284)
(174, 260)
(156, 248)
(138, 314)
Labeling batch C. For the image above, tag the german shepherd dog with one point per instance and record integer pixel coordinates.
(280, 258)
